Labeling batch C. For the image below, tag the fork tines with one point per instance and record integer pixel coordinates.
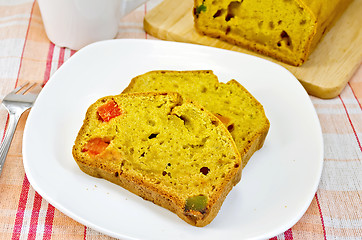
(24, 88)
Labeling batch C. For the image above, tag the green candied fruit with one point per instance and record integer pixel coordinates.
(196, 203)
(201, 8)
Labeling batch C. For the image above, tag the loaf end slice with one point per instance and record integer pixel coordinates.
(285, 30)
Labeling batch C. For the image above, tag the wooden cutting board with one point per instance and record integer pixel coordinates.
(324, 74)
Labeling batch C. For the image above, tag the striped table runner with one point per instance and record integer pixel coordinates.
(27, 55)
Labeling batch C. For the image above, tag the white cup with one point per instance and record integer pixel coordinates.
(77, 23)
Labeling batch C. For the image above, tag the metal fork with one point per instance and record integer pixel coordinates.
(17, 102)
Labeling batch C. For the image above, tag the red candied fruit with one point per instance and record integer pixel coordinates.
(95, 146)
(223, 119)
(109, 110)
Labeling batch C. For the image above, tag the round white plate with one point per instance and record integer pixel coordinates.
(277, 185)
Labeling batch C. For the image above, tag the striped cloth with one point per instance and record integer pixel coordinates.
(27, 55)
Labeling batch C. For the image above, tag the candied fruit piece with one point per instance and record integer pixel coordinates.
(223, 119)
(196, 203)
(95, 146)
(109, 110)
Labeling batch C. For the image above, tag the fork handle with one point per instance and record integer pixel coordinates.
(9, 134)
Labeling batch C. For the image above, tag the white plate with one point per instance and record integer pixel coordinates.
(277, 185)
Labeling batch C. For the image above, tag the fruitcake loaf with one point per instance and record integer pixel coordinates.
(162, 148)
(240, 112)
(287, 30)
